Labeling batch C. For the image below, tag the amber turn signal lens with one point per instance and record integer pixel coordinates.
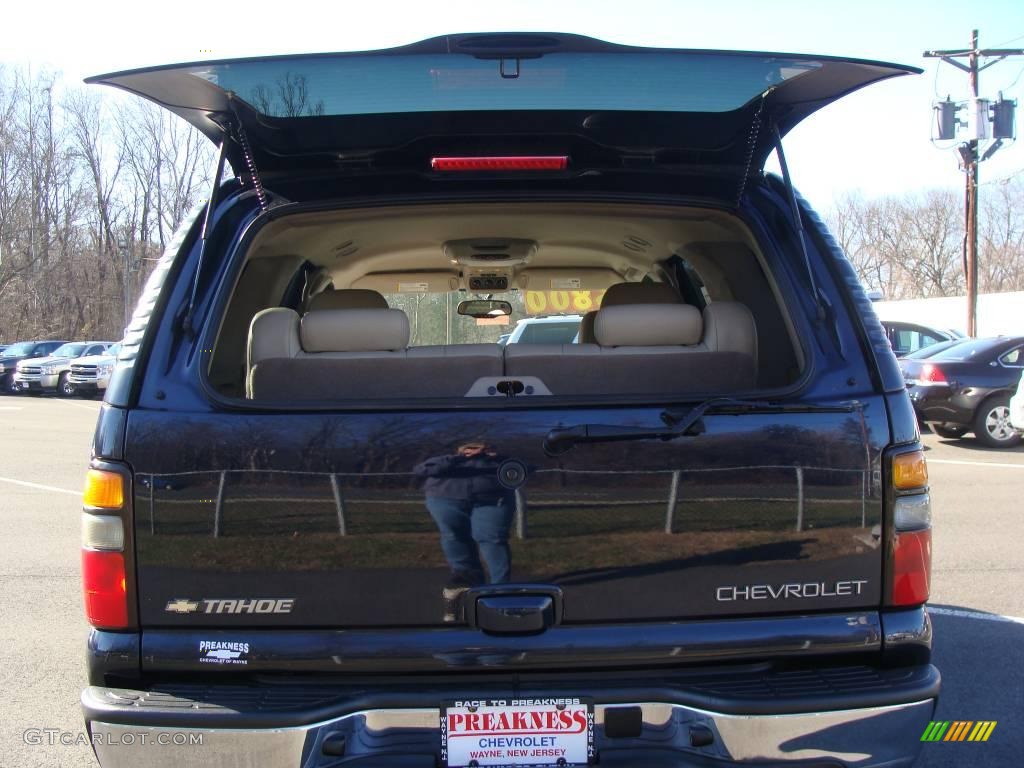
(909, 470)
(103, 489)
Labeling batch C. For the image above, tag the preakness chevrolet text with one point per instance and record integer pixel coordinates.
(331, 521)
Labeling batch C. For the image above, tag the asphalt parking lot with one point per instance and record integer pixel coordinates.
(977, 590)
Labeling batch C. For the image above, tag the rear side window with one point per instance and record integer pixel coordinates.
(912, 340)
(1014, 358)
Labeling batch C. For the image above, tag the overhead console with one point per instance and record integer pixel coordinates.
(490, 252)
(488, 263)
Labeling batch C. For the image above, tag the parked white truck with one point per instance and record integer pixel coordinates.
(90, 375)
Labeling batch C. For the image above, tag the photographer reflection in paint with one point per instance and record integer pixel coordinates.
(473, 511)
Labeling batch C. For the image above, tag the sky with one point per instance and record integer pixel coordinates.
(874, 142)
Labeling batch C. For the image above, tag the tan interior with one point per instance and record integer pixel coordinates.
(566, 246)
(599, 243)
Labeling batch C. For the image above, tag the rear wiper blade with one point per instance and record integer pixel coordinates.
(562, 439)
(678, 423)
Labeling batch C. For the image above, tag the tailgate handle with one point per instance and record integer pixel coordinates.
(514, 609)
(515, 614)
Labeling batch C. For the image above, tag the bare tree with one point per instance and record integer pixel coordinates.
(1001, 235)
(912, 246)
(91, 189)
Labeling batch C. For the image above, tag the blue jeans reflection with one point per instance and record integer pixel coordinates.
(471, 530)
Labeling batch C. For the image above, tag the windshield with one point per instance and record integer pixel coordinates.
(372, 84)
(20, 350)
(69, 350)
(433, 318)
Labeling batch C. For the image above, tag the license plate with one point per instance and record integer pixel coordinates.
(517, 732)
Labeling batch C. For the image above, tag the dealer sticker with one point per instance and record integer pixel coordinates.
(517, 732)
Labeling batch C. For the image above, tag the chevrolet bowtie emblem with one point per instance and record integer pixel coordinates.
(182, 606)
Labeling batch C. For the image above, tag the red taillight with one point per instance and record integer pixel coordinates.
(104, 576)
(932, 374)
(911, 567)
(103, 583)
(911, 560)
(505, 163)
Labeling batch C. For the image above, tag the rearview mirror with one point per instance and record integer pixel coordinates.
(485, 308)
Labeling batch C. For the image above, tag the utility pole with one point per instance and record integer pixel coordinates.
(126, 291)
(33, 178)
(970, 159)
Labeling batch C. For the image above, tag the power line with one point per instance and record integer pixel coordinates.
(1003, 179)
(1012, 40)
(1015, 80)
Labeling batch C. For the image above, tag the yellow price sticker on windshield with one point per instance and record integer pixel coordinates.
(562, 302)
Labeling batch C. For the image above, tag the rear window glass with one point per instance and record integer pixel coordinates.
(371, 84)
(967, 350)
(932, 349)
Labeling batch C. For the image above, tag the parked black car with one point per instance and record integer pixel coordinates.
(15, 353)
(967, 388)
(319, 532)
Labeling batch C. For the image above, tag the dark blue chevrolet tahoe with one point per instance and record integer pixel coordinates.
(330, 521)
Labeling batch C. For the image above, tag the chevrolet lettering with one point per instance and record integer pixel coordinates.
(785, 591)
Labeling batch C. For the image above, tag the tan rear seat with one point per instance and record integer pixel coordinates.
(362, 353)
(649, 349)
(342, 354)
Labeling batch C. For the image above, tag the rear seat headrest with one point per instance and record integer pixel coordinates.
(729, 327)
(354, 330)
(347, 298)
(587, 328)
(273, 332)
(648, 325)
(640, 293)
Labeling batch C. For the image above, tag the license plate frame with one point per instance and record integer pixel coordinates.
(501, 721)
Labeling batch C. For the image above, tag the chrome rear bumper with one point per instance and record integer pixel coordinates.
(671, 735)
